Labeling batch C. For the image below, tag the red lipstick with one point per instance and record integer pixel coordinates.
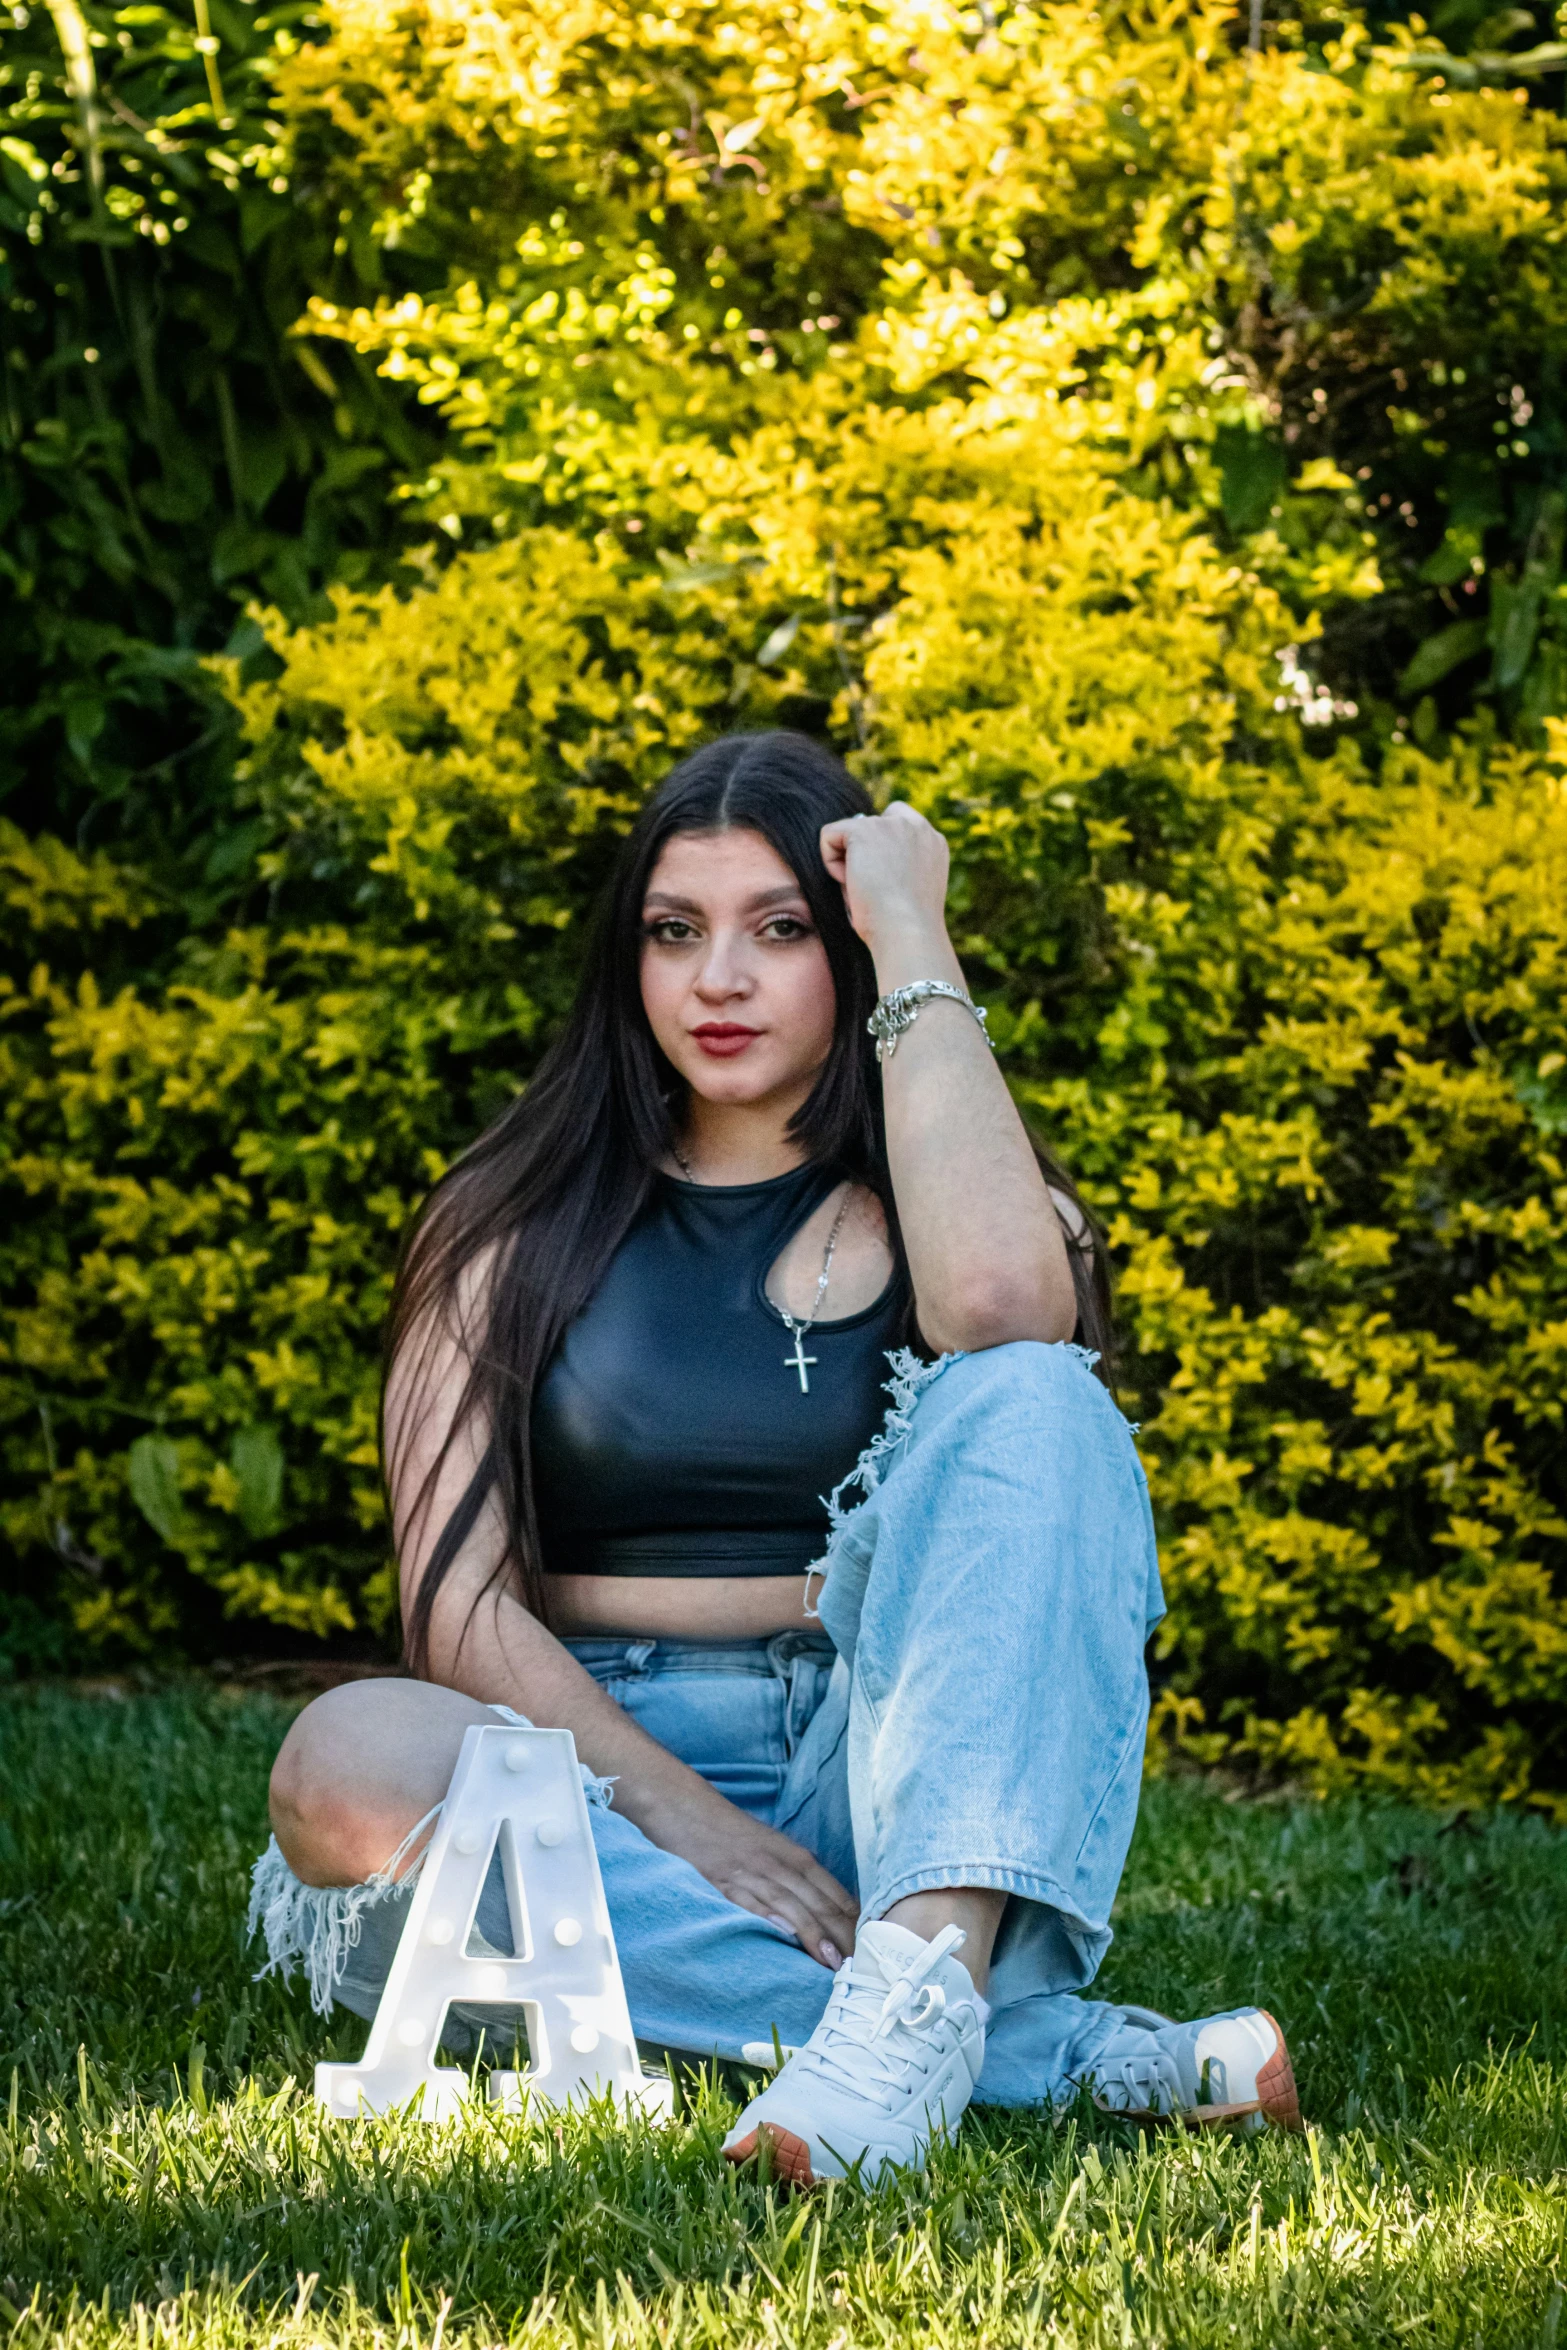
(722, 1039)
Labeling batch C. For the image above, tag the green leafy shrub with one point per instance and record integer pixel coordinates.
(1092, 428)
(167, 450)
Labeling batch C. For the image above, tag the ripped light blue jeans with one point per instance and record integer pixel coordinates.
(972, 1713)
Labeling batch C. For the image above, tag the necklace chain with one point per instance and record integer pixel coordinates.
(796, 1328)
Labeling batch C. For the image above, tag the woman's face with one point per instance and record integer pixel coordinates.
(735, 979)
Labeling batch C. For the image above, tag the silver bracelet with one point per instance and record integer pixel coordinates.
(899, 1010)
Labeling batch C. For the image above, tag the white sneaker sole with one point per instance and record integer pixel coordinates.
(765, 2056)
(790, 2153)
(790, 2156)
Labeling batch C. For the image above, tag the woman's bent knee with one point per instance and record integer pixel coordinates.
(359, 1768)
(1026, 1383)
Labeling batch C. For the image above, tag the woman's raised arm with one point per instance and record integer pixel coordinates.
(985, 1249)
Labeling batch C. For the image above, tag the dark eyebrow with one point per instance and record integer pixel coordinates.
(765, 897)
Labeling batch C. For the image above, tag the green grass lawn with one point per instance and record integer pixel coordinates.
(167, 2179)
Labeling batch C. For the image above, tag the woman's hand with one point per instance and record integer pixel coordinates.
(893, 869)
(498, 1651)
(759, 1870)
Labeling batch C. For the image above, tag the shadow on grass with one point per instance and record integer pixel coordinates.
(162, 2149)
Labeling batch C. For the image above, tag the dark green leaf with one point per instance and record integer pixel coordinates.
(155, 1484)
(1441, 653)
(1251, 475)
(233, 853)
(256, 1457)
(185, 496)
(1497, 30)
(1455, 558)
(1515, 617)
(343, 467)
(260, 216)
(206, 241)
(1545, 1098)
(265, 461)
(238, 548)
(84, 717)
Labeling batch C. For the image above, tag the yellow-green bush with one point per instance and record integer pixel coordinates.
(1045, 520)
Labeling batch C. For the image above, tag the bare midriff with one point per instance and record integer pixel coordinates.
(679, 1607)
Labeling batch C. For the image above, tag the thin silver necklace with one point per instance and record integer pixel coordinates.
(799, 1360)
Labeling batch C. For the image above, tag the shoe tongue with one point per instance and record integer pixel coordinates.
(892, 1952)
(883, 1953)
(889, 1948)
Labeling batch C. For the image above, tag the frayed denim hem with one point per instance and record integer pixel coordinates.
(910, 1378)
(316, 1926)
(320, 1924)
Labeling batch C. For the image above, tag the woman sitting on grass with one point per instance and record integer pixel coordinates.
(643, 1326)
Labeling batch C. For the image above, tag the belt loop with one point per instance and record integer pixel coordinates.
(638, 1653)
(795, 1661)
(781, 1656)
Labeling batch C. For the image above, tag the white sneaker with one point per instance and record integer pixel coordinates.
(894, 2058)
(1222, 2068)
(765, 2056)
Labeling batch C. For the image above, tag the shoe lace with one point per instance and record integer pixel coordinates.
(1144, 2080)
(885, 2029)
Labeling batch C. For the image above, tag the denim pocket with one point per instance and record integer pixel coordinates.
(752, 1787)
(710, 1719)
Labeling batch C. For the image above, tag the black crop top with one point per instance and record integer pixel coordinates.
(670, 1434)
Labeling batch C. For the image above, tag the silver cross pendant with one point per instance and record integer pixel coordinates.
(798, 1360)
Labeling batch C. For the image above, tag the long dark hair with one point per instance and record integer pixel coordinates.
(515, 1239)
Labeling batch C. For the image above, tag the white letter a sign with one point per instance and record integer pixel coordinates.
(519, 1793)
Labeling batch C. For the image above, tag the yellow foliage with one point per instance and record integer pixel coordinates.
(1288, 998)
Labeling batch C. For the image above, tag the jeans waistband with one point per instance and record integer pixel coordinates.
(765, 1657)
